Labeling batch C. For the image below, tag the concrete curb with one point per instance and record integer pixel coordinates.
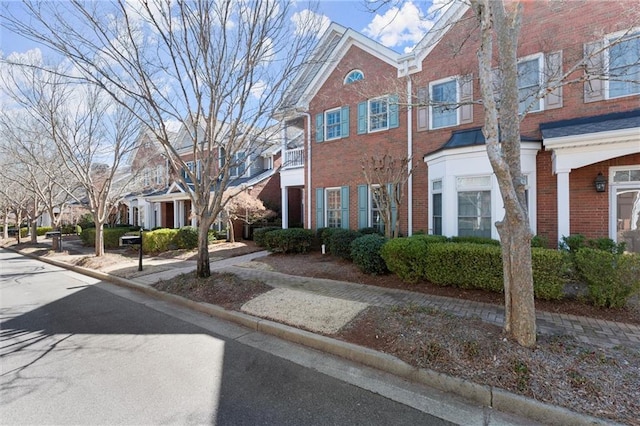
(488, 396)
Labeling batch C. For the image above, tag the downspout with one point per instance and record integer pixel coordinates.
(409, 152)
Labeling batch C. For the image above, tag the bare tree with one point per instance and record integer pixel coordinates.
(217, 67)
(387, 177)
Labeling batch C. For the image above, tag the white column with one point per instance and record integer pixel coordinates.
(564, 210)
(176, 214)
(285, 207)
(130, 219)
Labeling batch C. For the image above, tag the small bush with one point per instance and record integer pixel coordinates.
(159, 240)
(611, 278)
(475, 240)
(369, 230)
(186, 238)
(259, 235)
(291, 240)
(573, 243)
(324, 235)
(86, 221)
(111, 237)
(465, 265)
(406, 257)
(365, 252)
(340, 242)
(549, 273)
(43, 230)
(607, 244)
(539, 241)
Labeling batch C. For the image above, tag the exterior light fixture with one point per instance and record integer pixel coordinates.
(600, 183)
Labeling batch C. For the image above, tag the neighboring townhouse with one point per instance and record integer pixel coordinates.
(580, 144)
(163, 201)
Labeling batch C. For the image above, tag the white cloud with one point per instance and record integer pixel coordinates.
(309, 22)
(398, 27)
(258, 88)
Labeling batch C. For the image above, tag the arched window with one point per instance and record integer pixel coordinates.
(353, 76)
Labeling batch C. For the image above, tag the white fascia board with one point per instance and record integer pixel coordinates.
(526, 148)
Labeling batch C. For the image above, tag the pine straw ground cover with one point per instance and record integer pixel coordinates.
(561, 371)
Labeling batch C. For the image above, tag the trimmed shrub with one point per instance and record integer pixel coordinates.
(43, 230)
(611, 278)
(465, 265)
(291, 240)
(369, 230)
(259, 235)
(324, 235)
(607, 244)
(340, 242)
(406, 257)
(365, 252)
(159, 240)
(475, 240)
(549, 273)
(111, 237)
(539, 241)
(573, 243)
(186, 238)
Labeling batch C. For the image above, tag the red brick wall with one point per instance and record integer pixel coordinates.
(545, 29)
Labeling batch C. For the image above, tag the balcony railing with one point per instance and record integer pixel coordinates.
(293, 158)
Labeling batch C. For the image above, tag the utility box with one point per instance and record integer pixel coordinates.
(129, 240)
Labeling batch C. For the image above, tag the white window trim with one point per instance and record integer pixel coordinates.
(436, 83)
(326, 134)
(237, 165)
(613, 194)
(381, 129)
(541, 68)
(607, 45)
(326, 203)
(431, 193)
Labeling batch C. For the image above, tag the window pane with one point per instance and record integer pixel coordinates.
(378, 116)
(334, 215)
(628, 220)
(474, 213)
(333, 124)
(437, 214)
(445, 98)
(528, 85)
(624, 68)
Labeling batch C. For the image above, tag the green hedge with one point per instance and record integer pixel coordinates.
(464, 265)
(475, 240)
(159, 240)
(259, 235)
(611, 278)
(365, 252)
(291, 240)
(550, 271)
(186, 238)
(405, 257)
(340, 242)
(111, 237)
(43, 230)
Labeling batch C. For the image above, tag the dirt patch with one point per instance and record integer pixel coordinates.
(217, 251)
(559, 371)
(222, 289)
(317, 265)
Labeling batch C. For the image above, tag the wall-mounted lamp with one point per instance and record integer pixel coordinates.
(600, 183)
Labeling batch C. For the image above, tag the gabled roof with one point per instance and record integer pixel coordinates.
(331, 48)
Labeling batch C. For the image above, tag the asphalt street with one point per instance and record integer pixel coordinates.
(77, 351)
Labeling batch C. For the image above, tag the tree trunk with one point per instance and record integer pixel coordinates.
(232, 232)
(5, 225)
(34, 231)
(203, 269)
(99, 244)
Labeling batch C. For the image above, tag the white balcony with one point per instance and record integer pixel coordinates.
(293, 158)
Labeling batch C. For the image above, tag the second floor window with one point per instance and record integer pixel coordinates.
(624, 66)
(333, 124)
(444, 99)
(239, 164)
(529, 85)
(378, 114)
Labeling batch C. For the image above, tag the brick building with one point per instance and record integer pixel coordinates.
(160, 199)
(359, 98)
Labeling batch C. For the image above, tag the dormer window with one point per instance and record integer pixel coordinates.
(353, 76)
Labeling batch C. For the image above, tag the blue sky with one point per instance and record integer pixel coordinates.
(396, 27)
